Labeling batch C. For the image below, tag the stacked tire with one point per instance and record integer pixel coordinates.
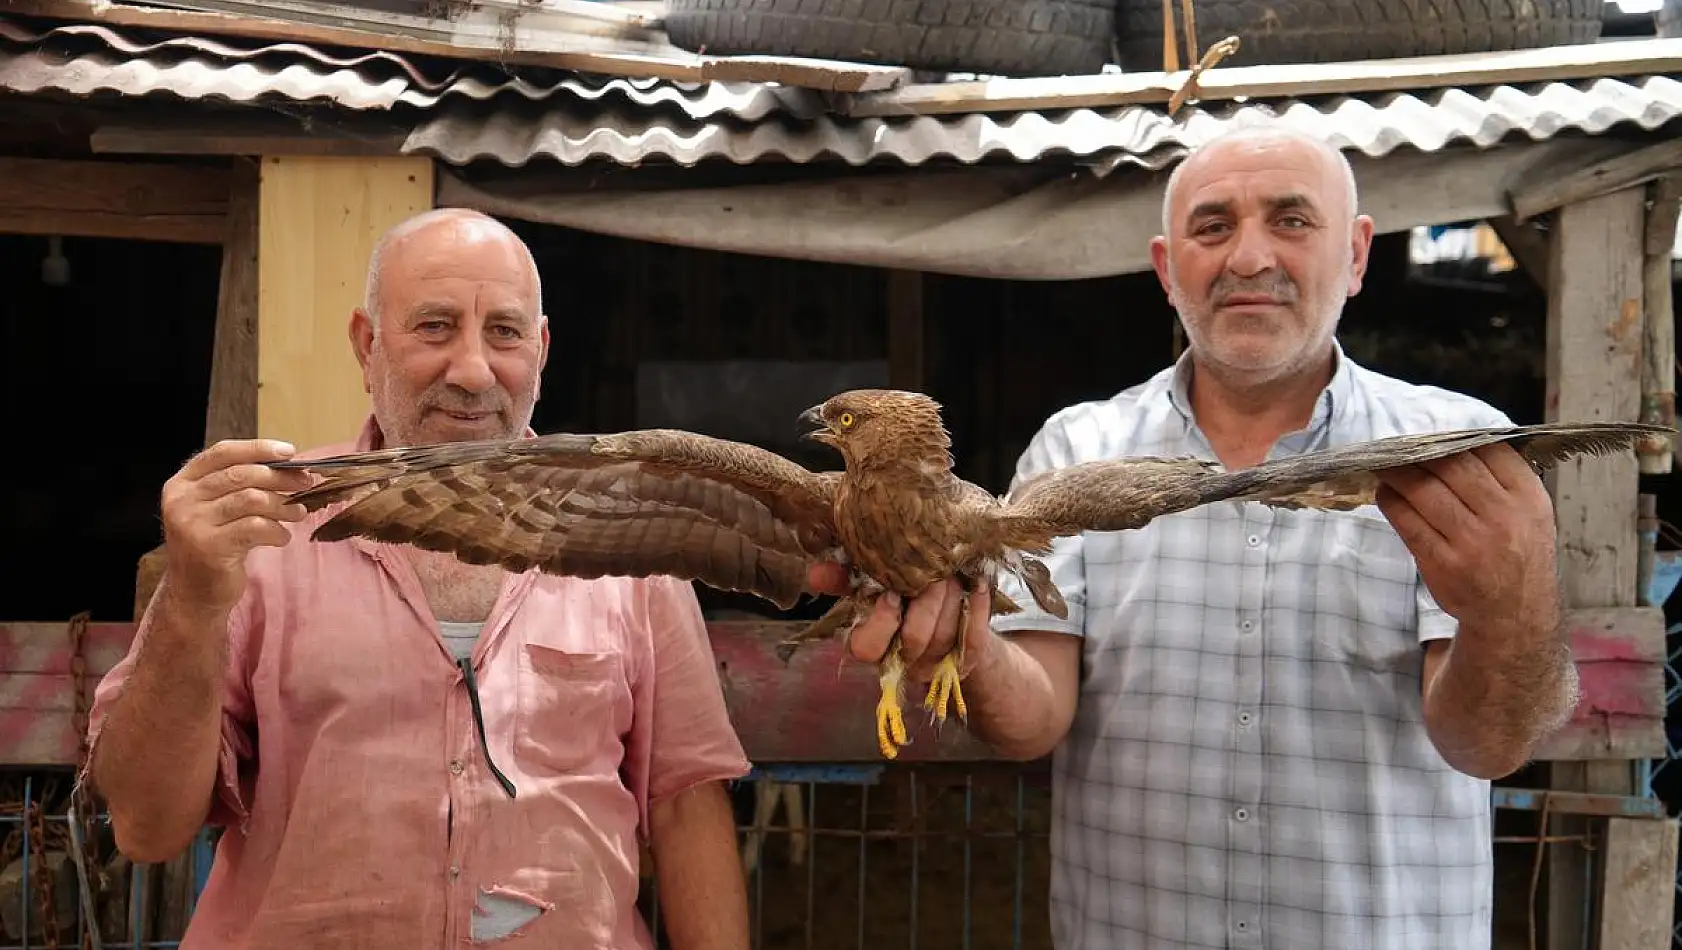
(1322, 31)
(1074, 37)
(994, 37)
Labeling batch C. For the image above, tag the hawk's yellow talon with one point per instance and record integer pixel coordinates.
(944, 688)
(890, 721)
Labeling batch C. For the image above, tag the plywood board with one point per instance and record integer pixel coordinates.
(318, 219)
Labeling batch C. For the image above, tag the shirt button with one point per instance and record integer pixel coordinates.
(1243, 925)
(1246, 625)
(1242, 814)
(1253, 540)
(455, 766)
(1244, 719)
(455, 872)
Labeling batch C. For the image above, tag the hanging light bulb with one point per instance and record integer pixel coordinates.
(55, 267)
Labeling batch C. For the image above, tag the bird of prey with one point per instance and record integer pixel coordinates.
(741, 518)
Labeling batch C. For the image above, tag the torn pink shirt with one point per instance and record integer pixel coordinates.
(360, 811)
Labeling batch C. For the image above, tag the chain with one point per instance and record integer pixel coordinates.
(44, 891)
(80, 710)
(78, 628)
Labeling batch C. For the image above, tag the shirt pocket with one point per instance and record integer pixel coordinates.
(570, 708)
(1367, 607)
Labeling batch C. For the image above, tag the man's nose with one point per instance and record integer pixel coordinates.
(1252, 251)
(470, 368)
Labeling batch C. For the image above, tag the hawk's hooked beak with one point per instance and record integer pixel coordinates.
(820, 429)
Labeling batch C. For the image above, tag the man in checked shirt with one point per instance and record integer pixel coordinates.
(1273, 729)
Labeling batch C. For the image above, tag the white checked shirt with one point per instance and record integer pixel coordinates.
(1248, 765)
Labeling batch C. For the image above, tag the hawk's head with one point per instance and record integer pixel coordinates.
(881, 425)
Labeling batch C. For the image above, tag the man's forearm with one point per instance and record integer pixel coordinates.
(1500, 691)
(703, 899)
(155, 762)
(1013, 704)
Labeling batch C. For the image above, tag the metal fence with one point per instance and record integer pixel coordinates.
(1662, 778)
(924, 857)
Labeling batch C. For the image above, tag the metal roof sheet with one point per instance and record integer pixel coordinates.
(83, 59)
(465, 111)
(1142, 135)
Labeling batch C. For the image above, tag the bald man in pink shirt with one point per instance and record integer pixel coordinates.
(407, 751)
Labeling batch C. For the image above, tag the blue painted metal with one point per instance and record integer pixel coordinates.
(844, 774)
(1667, 573)
(1579, 803)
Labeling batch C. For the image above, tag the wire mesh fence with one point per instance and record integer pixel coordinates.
(927, 857)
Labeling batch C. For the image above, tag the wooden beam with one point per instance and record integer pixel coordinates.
(231, 411)
(239, 134)
(510, 45)
(318, 219)
(1525, 244)
(1602, 177)
(37, 691)
(1551, 64)
(144, 202)
(818, 706)
(1593, 358)
(1620, 655)
(1658, 367)
(1640, 884)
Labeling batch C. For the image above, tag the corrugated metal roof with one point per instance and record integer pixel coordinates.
(84, 59)
(466, 111)
(1142, 135)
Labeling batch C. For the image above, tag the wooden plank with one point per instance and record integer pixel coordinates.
(1658, 366)
(146, 202)
(1635, 167)
(318, 219)
(1526, 246)
(1593, 360)
(663, 62)
(819, 706)
(1619, 653)
(1640, 884)
(239, 134)
(1590, 60)
(231, 410)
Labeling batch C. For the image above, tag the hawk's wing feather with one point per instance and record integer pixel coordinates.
(1345, 478)
(1119, 494)
(634, 504)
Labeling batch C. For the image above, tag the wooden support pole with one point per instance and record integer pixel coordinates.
(1658, 368)
(1594, 354)
(906, 341)
(231, 409)
(1640, 884)
(318, 218)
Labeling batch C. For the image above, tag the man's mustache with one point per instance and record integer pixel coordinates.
(1277, 285)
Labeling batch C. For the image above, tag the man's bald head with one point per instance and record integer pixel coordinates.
(1259, 134)
(456, 225)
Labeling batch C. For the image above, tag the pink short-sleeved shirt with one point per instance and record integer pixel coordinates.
(359, 808)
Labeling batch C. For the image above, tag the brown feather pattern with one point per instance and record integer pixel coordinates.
(737, 517)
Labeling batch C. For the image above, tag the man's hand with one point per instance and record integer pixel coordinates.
(1481, 528)
(221, 504)
(928, 629)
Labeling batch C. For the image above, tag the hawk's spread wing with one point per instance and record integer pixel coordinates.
(1118, 494)
(1345, 477)
(654, 501)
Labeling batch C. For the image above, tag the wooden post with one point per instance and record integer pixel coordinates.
(1658, 378)
(318, 219)
(1594, 354)
(1640, 884)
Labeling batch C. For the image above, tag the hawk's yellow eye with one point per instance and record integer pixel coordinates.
(846, 420)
